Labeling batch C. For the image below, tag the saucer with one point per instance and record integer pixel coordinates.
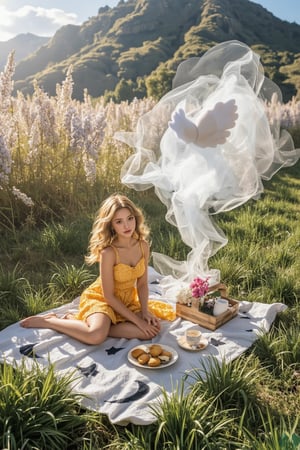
(192, 348)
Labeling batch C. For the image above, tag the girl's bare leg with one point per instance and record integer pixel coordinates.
(69, 315)
(93, 331)
(52, 314)
(129, 330)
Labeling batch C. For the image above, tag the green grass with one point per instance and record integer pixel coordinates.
(36, 409)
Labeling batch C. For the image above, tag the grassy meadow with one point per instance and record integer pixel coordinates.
(61, 161)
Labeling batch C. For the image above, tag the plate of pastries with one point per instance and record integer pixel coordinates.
(152, 356)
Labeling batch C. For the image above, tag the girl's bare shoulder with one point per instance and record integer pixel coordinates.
(146, 247)
(144, 243)
(108, 253)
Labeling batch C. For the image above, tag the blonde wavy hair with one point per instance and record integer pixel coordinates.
(102, 234)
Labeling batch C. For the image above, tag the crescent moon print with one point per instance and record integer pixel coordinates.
(143, 389)
(90, 370)
(28, 350)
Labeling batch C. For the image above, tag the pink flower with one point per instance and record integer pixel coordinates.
(199, 287)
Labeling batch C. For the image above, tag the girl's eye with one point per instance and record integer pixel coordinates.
(131, 218)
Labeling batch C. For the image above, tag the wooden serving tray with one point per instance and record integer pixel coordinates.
(192, 314)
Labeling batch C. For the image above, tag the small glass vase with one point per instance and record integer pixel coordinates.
(195, 303)
(201, 302)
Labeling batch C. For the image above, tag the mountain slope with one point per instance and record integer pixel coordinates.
(139, 37)
(23, 45)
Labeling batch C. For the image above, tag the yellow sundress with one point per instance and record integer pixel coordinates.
(92, 299)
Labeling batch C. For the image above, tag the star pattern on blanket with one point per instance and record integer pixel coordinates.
(216, 342)
(28, 350)
(90, 370)
(143, 389)
(113, 350)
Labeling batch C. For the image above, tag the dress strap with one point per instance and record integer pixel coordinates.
(116, 253)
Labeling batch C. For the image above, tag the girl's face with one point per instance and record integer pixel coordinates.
(124, 223)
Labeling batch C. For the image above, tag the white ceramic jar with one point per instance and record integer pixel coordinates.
(220, 306)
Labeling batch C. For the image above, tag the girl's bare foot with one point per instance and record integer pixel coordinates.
(37, 321)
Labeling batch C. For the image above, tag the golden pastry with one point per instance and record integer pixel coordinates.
(154, 362)
(143, 358)
(137, 352)
(165, 356)
(155, 350)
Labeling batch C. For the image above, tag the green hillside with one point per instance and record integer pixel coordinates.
(134, 48)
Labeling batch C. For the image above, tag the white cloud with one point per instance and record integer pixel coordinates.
(33, 19)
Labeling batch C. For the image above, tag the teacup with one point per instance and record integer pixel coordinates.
(193, 337)
(220, 306)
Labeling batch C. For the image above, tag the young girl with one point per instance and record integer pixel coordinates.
(116, 304)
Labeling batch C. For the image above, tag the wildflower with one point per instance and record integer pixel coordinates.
(6, 83)
(23, 197)
(5, 162)
(199, 287)
(65, 91)
(90, 169)
(184, 296)
(77, 133)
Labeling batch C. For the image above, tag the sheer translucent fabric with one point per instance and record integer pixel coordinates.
(193, 182)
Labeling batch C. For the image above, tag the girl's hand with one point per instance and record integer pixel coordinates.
(151, 319)
(150, 326)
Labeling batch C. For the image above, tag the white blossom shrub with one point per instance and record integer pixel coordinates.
(57, 149)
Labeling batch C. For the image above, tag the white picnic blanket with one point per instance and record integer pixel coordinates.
(109, 382)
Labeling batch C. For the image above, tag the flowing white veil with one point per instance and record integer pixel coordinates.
(195, 182)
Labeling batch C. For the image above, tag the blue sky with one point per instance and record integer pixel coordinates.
(44, 17)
